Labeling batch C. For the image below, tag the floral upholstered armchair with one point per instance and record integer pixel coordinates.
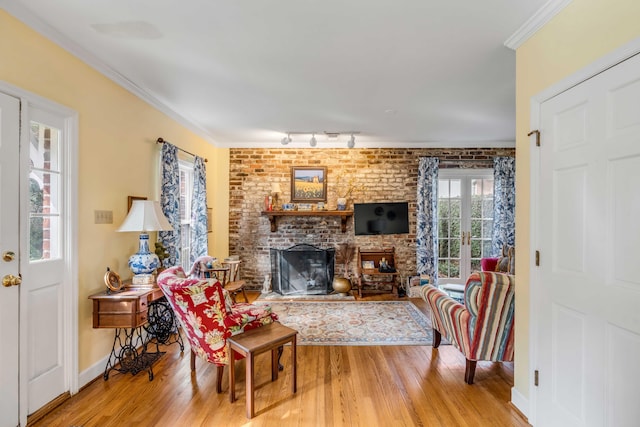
(482, 327)
(209, 317)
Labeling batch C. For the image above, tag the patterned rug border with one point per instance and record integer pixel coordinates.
(274, 296)
(422, 337)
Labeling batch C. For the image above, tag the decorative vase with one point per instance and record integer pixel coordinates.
(145, 261)
(341, 285)
(342, 203)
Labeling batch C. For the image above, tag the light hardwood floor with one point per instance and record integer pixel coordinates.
(337, 386)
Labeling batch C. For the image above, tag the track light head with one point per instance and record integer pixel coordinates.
(330, 136)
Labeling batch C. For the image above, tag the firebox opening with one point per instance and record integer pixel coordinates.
(302, 270)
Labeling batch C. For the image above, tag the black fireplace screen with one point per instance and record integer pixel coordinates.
(302, 269)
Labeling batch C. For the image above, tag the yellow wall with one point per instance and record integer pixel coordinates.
(583, 32)
(117, 158)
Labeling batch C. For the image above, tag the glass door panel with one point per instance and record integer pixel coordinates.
(45, 197)
(481, 220)
(449, 225)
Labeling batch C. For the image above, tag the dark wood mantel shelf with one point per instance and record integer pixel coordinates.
(272, 215)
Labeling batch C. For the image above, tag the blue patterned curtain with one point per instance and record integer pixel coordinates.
(427, 218)
(504, 203)
(199, 237)
(170, 202)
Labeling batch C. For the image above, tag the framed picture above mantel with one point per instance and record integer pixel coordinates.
(308, 184)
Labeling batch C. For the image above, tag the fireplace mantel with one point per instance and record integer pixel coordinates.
(344, 215)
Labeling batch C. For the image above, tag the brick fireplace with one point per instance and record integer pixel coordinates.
(386, 175)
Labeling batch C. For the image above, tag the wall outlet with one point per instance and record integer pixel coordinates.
(103, 217)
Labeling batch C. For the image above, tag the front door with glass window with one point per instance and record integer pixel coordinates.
(465, 222)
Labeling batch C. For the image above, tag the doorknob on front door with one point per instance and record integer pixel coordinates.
(8, 256)
(11, 280)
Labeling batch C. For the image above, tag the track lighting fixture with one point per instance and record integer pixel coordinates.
(330, 136)
(286, 139)
(352, 142)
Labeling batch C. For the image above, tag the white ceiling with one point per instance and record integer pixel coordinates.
(246, 72)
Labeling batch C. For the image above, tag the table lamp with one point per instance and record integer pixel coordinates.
(145, 215)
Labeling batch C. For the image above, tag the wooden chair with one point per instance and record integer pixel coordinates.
(234, 285)
(227, 273)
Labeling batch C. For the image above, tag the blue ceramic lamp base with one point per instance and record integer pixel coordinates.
(144, 262)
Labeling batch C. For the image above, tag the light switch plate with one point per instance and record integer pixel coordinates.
(103, 217)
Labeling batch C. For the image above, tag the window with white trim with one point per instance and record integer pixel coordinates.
(186, 191)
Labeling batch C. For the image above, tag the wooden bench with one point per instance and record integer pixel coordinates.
(368, 268)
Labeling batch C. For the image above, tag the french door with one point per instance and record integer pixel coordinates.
(465, 222)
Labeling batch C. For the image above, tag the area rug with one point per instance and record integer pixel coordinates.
(355, 323)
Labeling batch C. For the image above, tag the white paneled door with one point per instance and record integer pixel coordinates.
(45, 288)
(37, 303)
(9, 259)
(587, 345)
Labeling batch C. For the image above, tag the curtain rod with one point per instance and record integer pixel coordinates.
(162, 141)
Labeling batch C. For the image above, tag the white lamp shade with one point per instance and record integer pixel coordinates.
(275, 187)
(145, 215)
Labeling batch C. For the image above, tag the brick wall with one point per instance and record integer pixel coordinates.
(385, 175)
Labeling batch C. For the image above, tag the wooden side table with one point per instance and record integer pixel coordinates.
(257, 341)
(128, 312)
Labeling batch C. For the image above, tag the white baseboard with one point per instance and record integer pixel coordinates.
(520, 402)
(93, 372)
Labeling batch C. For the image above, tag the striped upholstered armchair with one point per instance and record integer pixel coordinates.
(482, 327)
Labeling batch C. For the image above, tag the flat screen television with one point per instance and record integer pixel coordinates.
(381, 218)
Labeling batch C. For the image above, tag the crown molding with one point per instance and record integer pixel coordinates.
(369, 144)
(35, 23)
(545, 14)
